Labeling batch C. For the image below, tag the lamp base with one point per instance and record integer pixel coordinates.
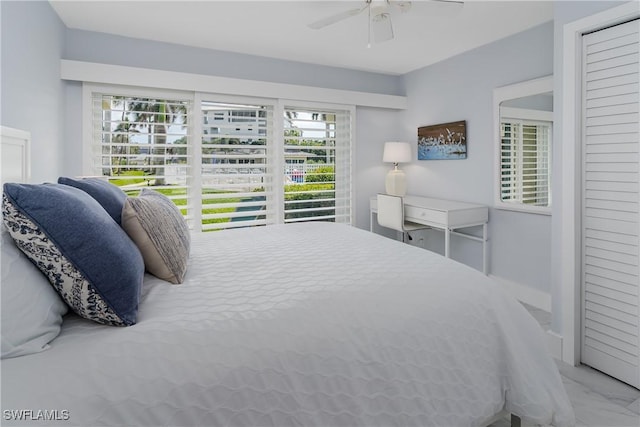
(396, 183)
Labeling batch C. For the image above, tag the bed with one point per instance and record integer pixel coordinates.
(310, 324)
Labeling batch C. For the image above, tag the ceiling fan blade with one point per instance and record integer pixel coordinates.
(335, 18)
(382, 27)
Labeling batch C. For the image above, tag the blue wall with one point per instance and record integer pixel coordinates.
(31, 90)
(461, 88)
(109, 49)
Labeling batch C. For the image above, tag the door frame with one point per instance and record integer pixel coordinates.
(570, 204)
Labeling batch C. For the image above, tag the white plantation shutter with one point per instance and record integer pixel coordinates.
(610, 202)
(221, 161)
(237, 165)
(317, 169)
(525, 154)
(143, 142)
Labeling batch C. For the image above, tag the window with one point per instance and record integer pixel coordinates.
(524, 162)
(226, 164)
(317, 153)
(141, 142)
(523, 129)
(237, 165)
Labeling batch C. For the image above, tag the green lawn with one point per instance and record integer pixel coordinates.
(182, 201)
(127, 181)
(179, 196)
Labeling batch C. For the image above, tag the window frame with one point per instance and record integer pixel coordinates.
(351, 111)
(272, 144)
(194, 129)
(504, 93)
(523, 118)
(87, 112)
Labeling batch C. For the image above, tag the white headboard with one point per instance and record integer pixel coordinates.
(14, 155)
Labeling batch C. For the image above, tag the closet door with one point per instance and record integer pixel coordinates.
(610, 202)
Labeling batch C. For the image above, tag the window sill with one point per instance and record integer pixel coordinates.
(523, 209)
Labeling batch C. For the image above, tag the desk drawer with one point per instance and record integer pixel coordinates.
(469, 216)
(429, 215)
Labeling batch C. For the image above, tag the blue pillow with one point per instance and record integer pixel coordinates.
(108, 195)
(87, 257)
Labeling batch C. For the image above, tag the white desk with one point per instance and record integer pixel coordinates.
(447, 215)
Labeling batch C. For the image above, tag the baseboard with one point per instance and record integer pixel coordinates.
(537, 299)
(525, 294)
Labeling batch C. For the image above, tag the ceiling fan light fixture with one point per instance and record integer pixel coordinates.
(382, 27)
(379, 25)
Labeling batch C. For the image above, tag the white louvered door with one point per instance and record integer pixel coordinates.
(610, 202)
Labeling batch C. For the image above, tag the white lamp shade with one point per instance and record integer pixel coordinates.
(396, 152)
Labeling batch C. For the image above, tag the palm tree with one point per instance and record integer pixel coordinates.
(156, 115)
(122, 132)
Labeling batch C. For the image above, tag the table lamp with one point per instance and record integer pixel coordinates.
(396, 152)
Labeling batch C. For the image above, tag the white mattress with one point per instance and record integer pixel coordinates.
(301, 325)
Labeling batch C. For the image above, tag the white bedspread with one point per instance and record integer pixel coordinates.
(301, 325)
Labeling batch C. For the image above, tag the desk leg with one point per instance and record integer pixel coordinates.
(485, 265)
(370, 220)
(447, 241)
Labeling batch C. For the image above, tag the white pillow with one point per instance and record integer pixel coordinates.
(31, 309)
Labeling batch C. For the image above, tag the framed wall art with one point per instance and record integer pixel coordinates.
(443, 142)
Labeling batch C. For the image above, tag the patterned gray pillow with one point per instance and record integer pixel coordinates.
(157, 227)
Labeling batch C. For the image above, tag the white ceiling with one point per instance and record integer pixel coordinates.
(429, 32)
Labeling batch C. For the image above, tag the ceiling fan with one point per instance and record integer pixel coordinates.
(379, 12)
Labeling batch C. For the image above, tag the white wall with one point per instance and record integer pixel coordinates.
(461, 88)
(31, 90)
